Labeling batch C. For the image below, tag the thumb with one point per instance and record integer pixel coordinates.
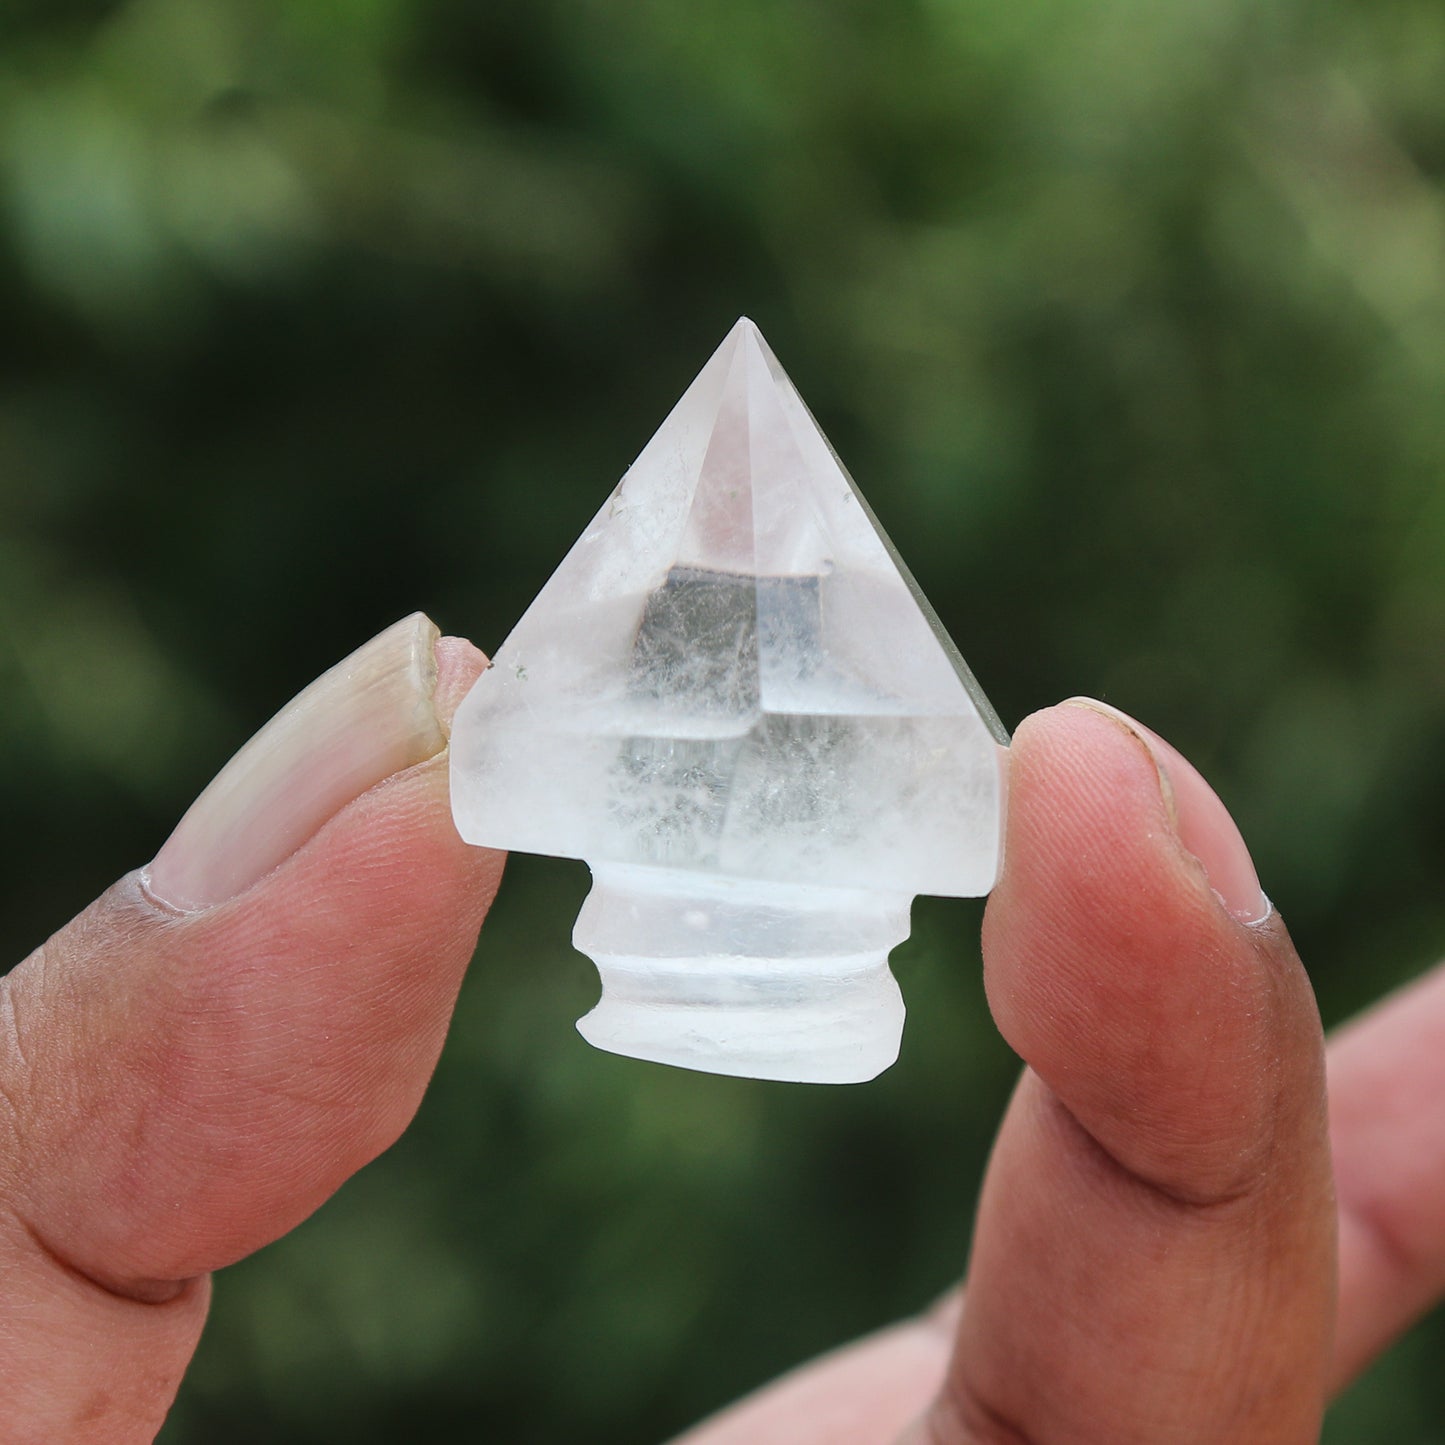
(196, 1062)
(1154, 1253)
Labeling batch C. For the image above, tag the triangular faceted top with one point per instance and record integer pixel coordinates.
(733, 671)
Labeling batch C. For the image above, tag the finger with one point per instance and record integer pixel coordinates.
(204, 1055)
(1387, 1077)
(864, 1394)
(1153, 1258)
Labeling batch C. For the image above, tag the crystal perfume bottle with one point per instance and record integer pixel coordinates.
(733, 702)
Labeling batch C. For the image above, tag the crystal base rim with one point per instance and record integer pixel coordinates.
(841, 1025)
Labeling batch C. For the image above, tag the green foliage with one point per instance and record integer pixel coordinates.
(1130, 320)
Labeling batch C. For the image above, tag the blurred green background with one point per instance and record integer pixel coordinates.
(1128, 317)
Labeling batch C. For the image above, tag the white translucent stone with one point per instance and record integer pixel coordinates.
(733, 702)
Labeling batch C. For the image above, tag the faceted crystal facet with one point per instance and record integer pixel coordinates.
(733, 702)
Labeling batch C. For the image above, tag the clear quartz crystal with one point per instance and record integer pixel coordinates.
(733, 702)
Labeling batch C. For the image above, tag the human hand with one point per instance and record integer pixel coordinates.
(207, 1052)
(196, 1062)
(1155, 1256)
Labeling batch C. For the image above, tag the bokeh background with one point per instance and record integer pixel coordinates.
(1130, 320)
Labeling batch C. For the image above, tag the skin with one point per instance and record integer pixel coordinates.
(1164, 1251)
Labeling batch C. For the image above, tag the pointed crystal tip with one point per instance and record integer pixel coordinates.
(732, 678)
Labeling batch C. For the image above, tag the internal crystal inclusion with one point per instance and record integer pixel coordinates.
(732, 700)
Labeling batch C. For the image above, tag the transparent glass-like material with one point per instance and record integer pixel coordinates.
(733, 702)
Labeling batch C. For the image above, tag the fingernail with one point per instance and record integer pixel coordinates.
(367, 718)
(1201, 821)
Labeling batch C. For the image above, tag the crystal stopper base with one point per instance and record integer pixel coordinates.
(740, 976)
